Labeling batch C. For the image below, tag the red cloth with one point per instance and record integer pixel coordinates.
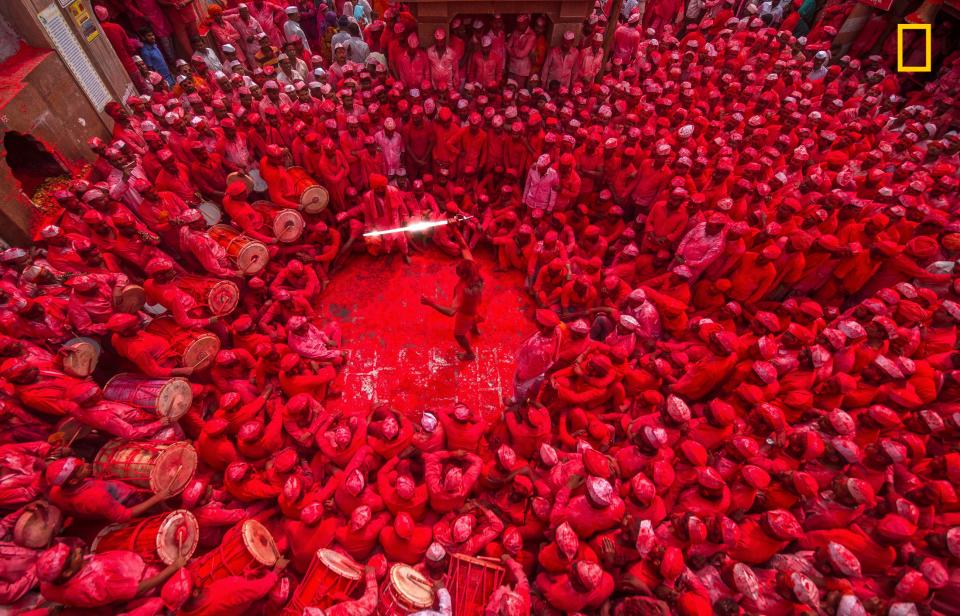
(104, 578)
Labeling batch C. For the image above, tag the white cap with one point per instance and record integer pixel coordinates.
(435, 552)
(428, 421)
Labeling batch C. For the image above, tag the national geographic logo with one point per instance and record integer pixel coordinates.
(924, 30)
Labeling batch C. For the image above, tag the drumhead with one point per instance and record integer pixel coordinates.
(80, 356)
(175, 398)
(106, 530)
(178, 528)
(259, 184)
(413, 587)
(236, 175)
(176, 463)
(253, 257)
(259, 543)
(223, 298)
(341, 564)
(132, 299)
(287, 226)
(155, 310)
(211, 212)
(314, 199)
(36, 525)
(201, 351)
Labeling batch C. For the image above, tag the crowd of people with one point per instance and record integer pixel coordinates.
(740, 396)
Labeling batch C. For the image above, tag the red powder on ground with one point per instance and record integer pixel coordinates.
(403, 353)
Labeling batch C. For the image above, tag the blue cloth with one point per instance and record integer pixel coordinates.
(153, 58)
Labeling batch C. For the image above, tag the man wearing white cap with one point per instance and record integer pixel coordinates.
(486, 65)
(626, 39)
(269, 15)
(411, 65)
(560, 64)
(820, 61)
(225, 33)
(444, 62)
(543, 184)
(589, 60)
(519, 49)
(292, 29)
(249, 30)
(391, 145)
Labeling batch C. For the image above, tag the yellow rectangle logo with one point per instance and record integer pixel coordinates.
(928, 44)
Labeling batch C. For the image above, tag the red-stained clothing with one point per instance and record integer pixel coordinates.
(105, 578)
(751, 281)
(210, 254)
(18, 574)
(443, 68)
(280, 184)
(442, 500)
(152, 354)
(472, 148)
(122, 44)
(176, 181)
(488, 528)
(217, 452)
(561, 593)
(360, 543)
(485, 68)
(462, 435)
(406, 550)
(364, 606)
(554, 561)
(412, 68)
(230, 595)
(305, 540)
(184, 308)
(585, 519)
(521, 588)
(333, 171)
(209, 175)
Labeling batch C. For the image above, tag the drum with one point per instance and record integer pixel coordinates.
(249, 255)
(406, 591)
(330, 574)
(285, 224)
(471, 582)
(313, 197)
(259, 184)
(170, 398)
(155, 310)
(248, 545)
(37, 524)
(147, 464)
(220, 297)
(196, 347)
(158, 539)
(211, 212)
(80, 356)
(242, 177)
(132, 298)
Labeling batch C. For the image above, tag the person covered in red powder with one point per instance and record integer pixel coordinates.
(467, 300)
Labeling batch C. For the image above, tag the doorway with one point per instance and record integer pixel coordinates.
(30, 161)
